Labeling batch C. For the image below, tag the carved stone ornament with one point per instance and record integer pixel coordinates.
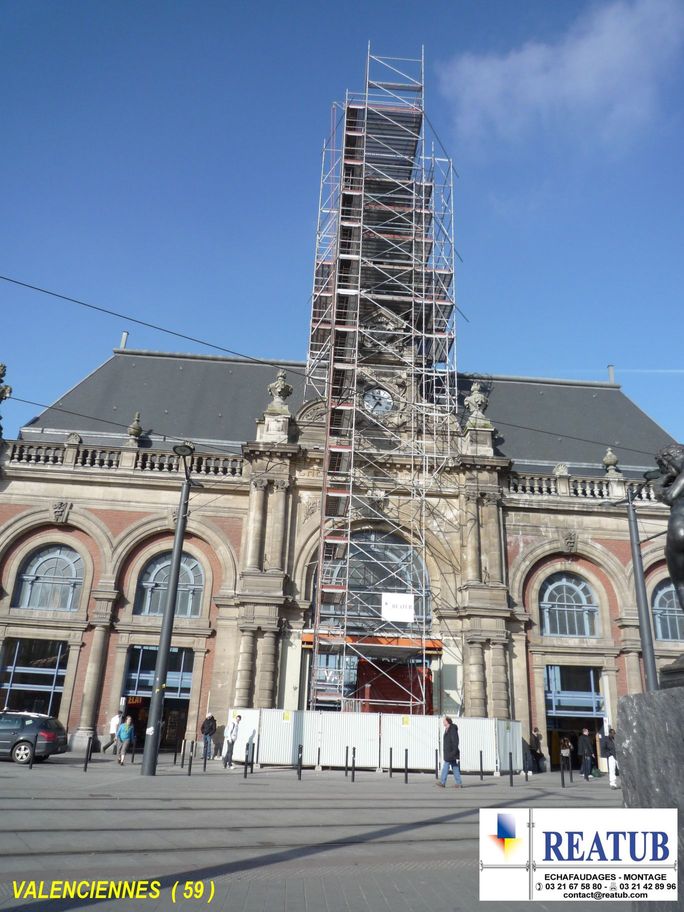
(570, 541)
(309, 507)
(74, 439)
(135, 428)
(476, 402)
(561, 470)
(610, 461)
(281, 484)
(312, 413)
(173, 517)
(280, 390)
(5, 391)
(260, 484)
(59, 511)
(377, 498)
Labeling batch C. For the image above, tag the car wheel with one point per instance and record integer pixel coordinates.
(21, 753)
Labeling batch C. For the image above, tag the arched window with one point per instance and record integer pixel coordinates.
(668, 617)
(382, 565)
(154, 583)
(568, 607)
(50, 579)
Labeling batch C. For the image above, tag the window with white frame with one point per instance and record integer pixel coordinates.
(668, 617)
(568, 607)
(153, 585)
(50, 579)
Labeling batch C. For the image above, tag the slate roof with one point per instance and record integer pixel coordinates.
(216, 400)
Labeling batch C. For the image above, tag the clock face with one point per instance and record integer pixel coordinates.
(378, 401)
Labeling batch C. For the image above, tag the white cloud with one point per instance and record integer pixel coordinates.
(602, 77)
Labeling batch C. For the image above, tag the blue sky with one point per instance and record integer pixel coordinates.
(162, 159)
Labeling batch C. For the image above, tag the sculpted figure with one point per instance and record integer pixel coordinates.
(670, 489)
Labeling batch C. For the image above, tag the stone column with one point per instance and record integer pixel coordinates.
(195, 711)
(278, 525)
(499, 704)
(491, 533)
(117, 678)
(74, 647)
(633, 672)
(245, 669)
(255, 525)
(472, 535)
(476, 692)
(267, 671)
(100, 617)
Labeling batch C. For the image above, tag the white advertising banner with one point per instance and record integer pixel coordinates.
(578, 854)
(398, 607)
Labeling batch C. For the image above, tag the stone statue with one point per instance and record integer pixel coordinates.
(5, 391)
(669, 488)
(476, 402)
(280, 390)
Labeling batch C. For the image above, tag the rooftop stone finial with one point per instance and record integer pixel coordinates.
(610, 461)
(279, 390)
(476, 402)
(5, 391)
(134, 431)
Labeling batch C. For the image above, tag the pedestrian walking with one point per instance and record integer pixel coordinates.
(566, 753)
(610, 754)
(451, 754)
(124, 736)
(114, 723)
(585, 751)
(208, 731)
(230, 743)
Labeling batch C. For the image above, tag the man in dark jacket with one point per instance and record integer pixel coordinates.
(585, 751)
(208, 731)
(451, 754)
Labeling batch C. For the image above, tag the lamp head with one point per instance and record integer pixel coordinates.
(184, 449)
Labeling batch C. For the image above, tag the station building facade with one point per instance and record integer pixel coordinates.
(529, 555)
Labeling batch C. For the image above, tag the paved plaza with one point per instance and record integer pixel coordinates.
(269, 842)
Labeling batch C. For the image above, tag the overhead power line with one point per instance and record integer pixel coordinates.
(155, 326)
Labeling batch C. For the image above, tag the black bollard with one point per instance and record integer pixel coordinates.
(246, 767)
(318, 761)
(390, 768)
(204, 762)
(562, 765)
(406, 766)
(251, 758)
(353, 764)
(183, 754)
(190, 764)
(89, 747)
(300, 754)
(33, 751)
(525, 766)
(510, 768)
(436, 764)
(346, 761)
(175, 753)
(132, 751)
(570, 768)
(481, 768)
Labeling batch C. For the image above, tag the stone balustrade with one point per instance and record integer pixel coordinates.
(22, 454)
(579, 487)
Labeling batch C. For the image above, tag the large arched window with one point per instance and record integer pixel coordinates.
(388, 585)
(568, 607)
(154, 583)
(668, 617)
(50, 579)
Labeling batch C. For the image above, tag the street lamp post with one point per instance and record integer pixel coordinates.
(149, 762)
(645, 633)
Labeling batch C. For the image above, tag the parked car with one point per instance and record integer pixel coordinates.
(25, 733)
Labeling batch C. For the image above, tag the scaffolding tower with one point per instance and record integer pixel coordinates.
(381, 357)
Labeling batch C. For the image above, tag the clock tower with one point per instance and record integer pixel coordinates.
(381, 359)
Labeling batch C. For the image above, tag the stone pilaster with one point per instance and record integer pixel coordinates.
(491, 537)
(255, 524)
(100, 617)
(265, 695)
(499, 705)
(116, 690)
(473, 572)
(475, 691)
(245, 670)
(278, 525)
